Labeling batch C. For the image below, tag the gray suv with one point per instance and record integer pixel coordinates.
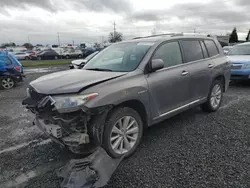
(126, 88)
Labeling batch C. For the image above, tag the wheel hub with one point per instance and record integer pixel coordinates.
(124, 135)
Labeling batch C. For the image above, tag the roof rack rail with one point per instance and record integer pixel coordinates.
(175, 35)
(158, 35)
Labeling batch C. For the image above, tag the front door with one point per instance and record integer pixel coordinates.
(168, 87)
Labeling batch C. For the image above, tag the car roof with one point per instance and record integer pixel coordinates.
(165, 38)
(243, 44)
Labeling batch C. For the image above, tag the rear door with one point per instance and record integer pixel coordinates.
(199, 67)
(168, 87)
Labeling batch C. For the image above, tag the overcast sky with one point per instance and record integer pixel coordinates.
(89, 20)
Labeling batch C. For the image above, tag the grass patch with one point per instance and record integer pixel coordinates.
(45, 63)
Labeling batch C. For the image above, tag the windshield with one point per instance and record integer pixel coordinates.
(240, 50)
(121, 57)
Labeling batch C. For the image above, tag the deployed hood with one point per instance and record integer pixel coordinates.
(243, 59)
(71, 81)
(79, 61)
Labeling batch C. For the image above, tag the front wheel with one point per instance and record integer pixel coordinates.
(214, 98)
(7, 82)
(123, 132)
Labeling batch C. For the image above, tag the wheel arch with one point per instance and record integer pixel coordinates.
(136, 105)
(222, 79)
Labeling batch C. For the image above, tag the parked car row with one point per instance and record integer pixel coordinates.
(54, 54)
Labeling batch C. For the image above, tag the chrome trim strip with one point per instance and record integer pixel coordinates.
(179, 108)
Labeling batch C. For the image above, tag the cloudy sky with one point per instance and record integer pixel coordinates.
(91, 20)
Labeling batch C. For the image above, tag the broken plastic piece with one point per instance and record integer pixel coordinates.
(76, 139)
(91, 172)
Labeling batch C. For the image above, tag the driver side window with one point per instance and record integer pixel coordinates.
(170, 53)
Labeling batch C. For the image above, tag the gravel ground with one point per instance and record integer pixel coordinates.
(193, 149)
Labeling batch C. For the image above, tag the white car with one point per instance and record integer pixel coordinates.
(22, 56)
(79, 63)
(72, 53)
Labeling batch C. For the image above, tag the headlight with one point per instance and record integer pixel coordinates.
(247, 66)
(71, 103)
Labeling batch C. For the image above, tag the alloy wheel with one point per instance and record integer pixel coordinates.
(7, 83)
(215, 98)
(124, 135)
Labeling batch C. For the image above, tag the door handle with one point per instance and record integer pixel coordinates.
(210, 66)
(184, 73)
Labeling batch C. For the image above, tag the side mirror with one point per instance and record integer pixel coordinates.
(157, 64)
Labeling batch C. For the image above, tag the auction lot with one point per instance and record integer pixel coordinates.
(193, 149)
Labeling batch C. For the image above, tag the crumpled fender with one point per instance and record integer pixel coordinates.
(90, 172)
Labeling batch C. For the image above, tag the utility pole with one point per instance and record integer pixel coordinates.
(58, 38)
(114, 28)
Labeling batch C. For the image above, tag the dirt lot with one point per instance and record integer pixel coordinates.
(193, 149)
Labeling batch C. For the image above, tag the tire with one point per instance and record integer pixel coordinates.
(79, 56)
(56, 57)
(6, 82)
(67, 57)
(209, 105)
(39, 58)
(27, 58)
(112, 120)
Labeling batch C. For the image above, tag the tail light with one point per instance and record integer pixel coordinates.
(17, 68)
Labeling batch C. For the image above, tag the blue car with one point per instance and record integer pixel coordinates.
(11, 70)
(240, 58)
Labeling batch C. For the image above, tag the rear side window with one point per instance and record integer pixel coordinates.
(8, 61)
(170, 53)
(192, 50)
(211, 48)
(204, 49)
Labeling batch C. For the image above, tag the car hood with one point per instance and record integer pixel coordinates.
(71, 81)
(79, 61)
(243, 59)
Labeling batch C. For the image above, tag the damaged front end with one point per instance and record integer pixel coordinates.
(76, 127)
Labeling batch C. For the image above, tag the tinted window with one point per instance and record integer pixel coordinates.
(211, 48)
(8, 61)
(170, 54)
(192, 50)
(204, 49)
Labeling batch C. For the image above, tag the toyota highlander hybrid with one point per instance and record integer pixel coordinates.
(127, 87)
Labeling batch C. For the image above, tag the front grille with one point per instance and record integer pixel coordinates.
(35, 95)
(234, 66)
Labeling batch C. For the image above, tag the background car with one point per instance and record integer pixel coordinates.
(79, 63)
(11, 70)
(240, 58)
(22, 56)
(46, 55)
(72, 53)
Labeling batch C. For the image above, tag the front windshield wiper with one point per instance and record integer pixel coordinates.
(99, 69)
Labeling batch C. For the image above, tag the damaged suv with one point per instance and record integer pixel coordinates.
(126, 88)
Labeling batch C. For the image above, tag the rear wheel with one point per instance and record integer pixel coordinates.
(27, 58)
(39, 58)
(214, 98)
(67, 57)
(80, 56)
(7, 82)
(123, 132)
(56, 57)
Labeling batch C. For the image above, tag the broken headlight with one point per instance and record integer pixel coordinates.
(71, 103)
